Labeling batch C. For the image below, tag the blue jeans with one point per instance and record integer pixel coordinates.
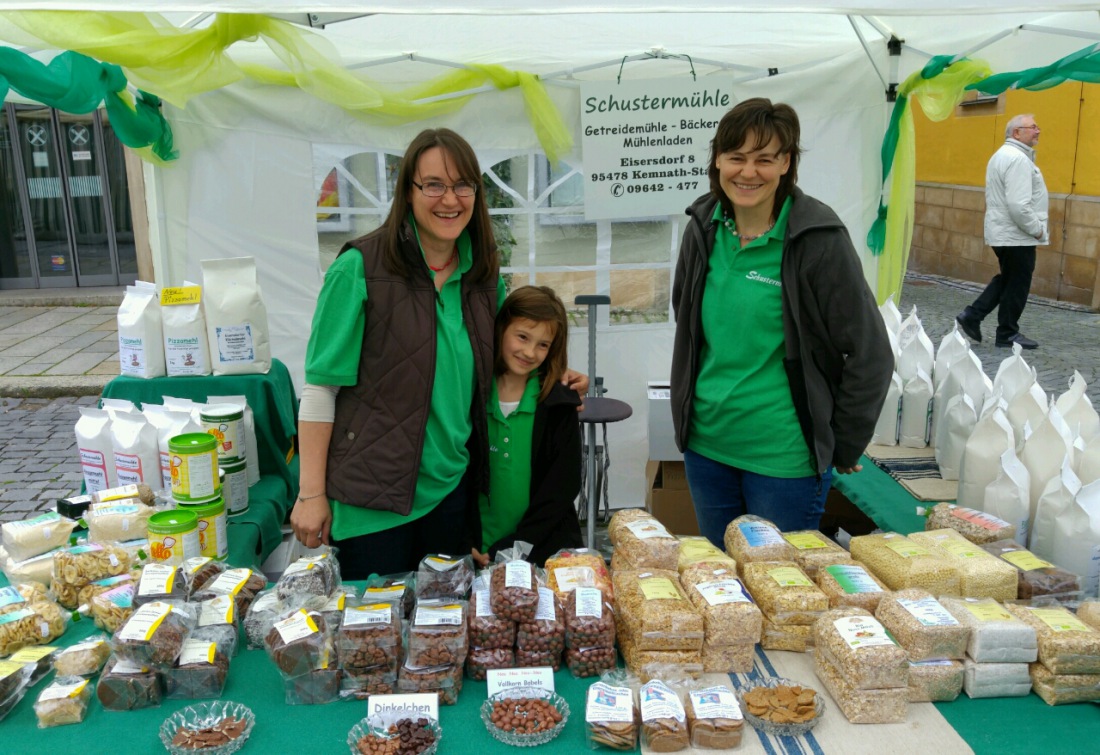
(722, 493)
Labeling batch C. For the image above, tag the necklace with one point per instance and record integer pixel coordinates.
(447, 264)
(745, 236)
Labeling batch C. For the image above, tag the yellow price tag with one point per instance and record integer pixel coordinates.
(180, 295)
(659, 588)
(805, 540)
(1025, 560)
(789, 576)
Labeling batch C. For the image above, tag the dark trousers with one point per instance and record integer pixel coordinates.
(1007, 292)
(401, 548)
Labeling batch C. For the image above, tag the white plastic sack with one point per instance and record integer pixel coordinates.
(916, 411)
(136, 457)
(1077, 409)
(1087, 462)
(185, 347)
(236, 318)
(140, 338)
(1054, 501)
(1013, 374)
(953, 347)
(1076, 538)
(1008, 496)
(93, 442)
(981, 459)
(252, 460)
(1045, 451)
(1029, 407)
(955, 428)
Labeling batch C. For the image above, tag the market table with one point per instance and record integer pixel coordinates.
(256, 533)
(1002, 726)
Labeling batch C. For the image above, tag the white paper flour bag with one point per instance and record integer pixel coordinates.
(136, 456)
(236, 318)
(186, 351)
(918, 354)
(889, 419)
(1045, 451)
(140, 338)
(1086, 463)
(1008, 496)
(891, 316)
(1076, 538)
(1053, 502)
(1029, 408)
(1077, 409)
(93, 443)
(953, 347)
(252, 460)
(169, 423)
(1013, 374)
(981, 459)
(916, 411)
(185, 405)
(956, 425)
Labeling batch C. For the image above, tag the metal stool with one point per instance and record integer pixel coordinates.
(598, 410)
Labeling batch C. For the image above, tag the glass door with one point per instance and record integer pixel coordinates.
(80, 164)
(16, 256)
(38, 149)
(118, 190)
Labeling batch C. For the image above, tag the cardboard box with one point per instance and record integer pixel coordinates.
(667, 497)
(662, 439)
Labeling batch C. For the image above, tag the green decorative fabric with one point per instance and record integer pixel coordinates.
(1083, 65)
(178, 64)
(75, 83)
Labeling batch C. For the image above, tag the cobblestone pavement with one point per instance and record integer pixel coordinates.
(38, 459)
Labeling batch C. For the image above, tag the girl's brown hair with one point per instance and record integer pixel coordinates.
(459, 155)
(761, 119)
(538, 304)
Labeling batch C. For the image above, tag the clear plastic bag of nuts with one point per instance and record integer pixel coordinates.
(583, 662)
(437, 633)
(480, 660)
(513, 590)
(753, 538)
(976, 526)
(536, 658)
(546, 634)
(370, 636)
(485, 629)
(589, 619)
(392, 588)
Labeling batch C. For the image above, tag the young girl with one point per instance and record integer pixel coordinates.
(534, 434)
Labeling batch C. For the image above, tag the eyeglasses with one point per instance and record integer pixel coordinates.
(1028, 128)
(438, 189)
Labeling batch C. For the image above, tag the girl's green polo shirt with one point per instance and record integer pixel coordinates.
(743, 414)
(332, 358)
(509, 464)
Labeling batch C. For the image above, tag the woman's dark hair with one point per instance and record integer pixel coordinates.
(762, 120)
(460, 157)
(538, 304)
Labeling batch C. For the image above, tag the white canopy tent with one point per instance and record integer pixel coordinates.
(253, 157)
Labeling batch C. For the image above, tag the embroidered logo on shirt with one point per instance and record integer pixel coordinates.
(755, 276)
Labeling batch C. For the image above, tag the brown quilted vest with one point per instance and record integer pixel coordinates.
(378, 431)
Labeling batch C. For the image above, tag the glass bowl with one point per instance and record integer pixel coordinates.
(524, 740)
(380, 728)
(778, 729)
(201, 716)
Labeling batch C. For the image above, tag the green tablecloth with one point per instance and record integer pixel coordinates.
(256, 533)
(879, 496)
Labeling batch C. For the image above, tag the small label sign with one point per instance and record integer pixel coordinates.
(392, 708)
(539, 677)
(180, 295)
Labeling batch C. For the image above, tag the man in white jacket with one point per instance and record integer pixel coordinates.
(1015, 223)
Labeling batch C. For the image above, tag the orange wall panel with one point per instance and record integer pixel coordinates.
(1088, 143)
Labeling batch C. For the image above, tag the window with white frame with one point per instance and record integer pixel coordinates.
(538, 219)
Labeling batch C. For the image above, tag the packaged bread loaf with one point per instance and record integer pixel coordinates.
(578, 567)
(695, 549)
(664, 721)
(610, 717)
(159, 582)
(370, 636)
(642, 542)
(127, 686)
(80, 564)
(753, 538)
(859, 647)
(714, 719)
(813, 550)
(900, 563)
(153, 635)
(878, 706)
(797, 638)
(729, 615)
(313, 575)
(118, 521)
(446, 680)
(981, 575)
(437, 633)
(976, 526)
(111, 609)
(199, 672)
(655, 611)
(513, 590)
(392, 588)
(64, 701)
(589, 619)
(242, 584)
(1035, 577)
(935, 681)
(922, 626)
(784, 592)
(728, 659)
(996, 636)
(1060, 689)
(199, 571)
(32, 537)
(851, 584)
(298, 642)
(1066, 644)
(443, 576)
(982, 680)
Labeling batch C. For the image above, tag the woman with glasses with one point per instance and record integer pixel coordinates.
(398, 370)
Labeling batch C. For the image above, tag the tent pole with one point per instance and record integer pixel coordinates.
(986, 43)
(866, 49)
(1064, 32)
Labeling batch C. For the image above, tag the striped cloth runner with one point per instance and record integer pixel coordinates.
(773, 745)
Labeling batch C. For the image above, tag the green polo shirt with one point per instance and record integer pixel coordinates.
(332, 358)
(743, 413)
(509, 464)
